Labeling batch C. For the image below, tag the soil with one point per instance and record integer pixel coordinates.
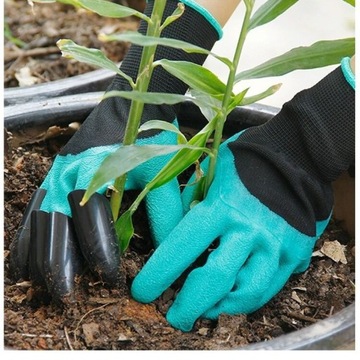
(107, 318)
(37, 59)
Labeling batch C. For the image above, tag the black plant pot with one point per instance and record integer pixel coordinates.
(21, 116)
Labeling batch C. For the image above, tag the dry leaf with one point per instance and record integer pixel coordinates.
(295, 297)
(335, 251)
(25, 78)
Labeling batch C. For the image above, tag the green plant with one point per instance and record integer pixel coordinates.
(9, 35)
(212, 96)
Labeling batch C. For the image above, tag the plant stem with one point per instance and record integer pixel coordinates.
(136, 108)
(227, 96)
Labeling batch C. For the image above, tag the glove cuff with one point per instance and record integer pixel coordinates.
(206, 14)
(348, 73)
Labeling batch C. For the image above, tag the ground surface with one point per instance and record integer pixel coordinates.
(105, 318)
(36, 59)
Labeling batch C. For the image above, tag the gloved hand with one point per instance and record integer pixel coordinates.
(270, 200)
(55, 230)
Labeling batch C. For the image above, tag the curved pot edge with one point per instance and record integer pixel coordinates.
(331, 333)
(96, 80)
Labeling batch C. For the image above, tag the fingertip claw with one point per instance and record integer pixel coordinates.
(20, 246)
(94, 227)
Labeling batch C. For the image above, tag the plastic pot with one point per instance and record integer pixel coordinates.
(335, 332)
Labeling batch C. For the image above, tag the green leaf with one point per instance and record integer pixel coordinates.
(351, 2)
(255, 98)
(127, 158)
(163, 125)
(144, 40)
(208, 105)
(102, 7)
(90, 56)
(237, 100)
(322, 53)
(269, 11)
(175, 15)
(124, 230)
(194, 75)
(184, 158)
(9, 36)
(109, 9)
(152, 98)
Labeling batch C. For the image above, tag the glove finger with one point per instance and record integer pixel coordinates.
(190, 238)
(207, 285)
(94, 227)
(257, 277)
(164, 209)
(62, 257)
(19, 249)
(39, 238)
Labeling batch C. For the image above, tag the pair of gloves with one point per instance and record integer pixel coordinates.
(270, 200)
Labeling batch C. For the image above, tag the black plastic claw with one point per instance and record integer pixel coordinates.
(96, 235)
(19, 249)
(39, 231)
(62, 257)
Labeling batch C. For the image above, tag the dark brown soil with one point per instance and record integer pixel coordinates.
(38, 59)
(105, 318)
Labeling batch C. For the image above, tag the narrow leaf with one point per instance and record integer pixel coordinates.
(237, 100)
(351, 2)
(319, 54)
(144, 40)
(208, 105)
(184, 158)
(90, 56)
(269, 11)
(255, 98)
(163, 125)
(152, 98)
(124, 230)
(175, 15)
(109, 9)
(127, 158)
(194, 75)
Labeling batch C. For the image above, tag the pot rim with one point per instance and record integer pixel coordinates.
(95, 80)
(331, 333)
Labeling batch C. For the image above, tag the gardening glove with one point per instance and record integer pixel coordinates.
(269, 202)
(48, 234)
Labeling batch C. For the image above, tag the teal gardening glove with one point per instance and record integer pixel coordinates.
(270, 200)
(46, 242)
